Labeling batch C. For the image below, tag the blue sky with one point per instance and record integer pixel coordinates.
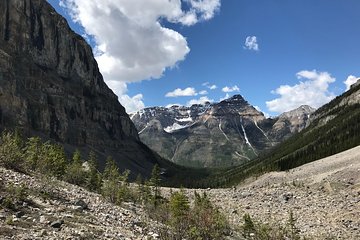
(156, 52)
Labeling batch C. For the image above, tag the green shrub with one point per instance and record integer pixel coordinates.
(259, 231)
(33, 148)
(115, 185)
(11, 153)
(207, 220)
(94, 179)
(202, 221)
(52, 160)
(75, 173)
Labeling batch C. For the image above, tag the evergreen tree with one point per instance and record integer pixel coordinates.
(94, 179)
(11, 153)
(32, 152)
(110, 186)
(155, 181)
(75, 172)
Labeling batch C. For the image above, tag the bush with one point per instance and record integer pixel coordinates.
(207, 220)
(75, 173)
(14, 196)
(52, 160)
(202, 221)
(93, 179)
(33, 148)
(115, 186)
(11, 153)
(260, 231)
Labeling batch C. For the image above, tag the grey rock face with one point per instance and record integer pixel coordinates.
(50, 85)
(291, 122)
(214, 135)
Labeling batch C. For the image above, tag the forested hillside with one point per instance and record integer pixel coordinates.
(335, 127)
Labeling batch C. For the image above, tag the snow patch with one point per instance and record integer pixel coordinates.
(188, 119)
(246, 138)
(143, 130)
(175, 127)
(223, 131)
(261, 130)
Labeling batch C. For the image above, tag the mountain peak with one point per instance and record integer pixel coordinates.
(236, 97)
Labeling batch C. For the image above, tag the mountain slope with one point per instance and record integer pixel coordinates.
(50, 85)
(334, 127)
(215, 135)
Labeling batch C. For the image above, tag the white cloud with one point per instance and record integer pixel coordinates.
(227, 96)
(227, 89)
(209, 86)
(172, 105)
(201, 100)
(313, 92)
(203, 92)
(251, 43)
(182, 92)
(259, 109)
(131, 43)
(206, 8)
(131, 104)
(350, 81)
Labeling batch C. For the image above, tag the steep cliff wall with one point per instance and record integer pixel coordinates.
(50, 84)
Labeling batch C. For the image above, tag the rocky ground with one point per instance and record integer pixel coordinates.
(65, 211)
(324, 197)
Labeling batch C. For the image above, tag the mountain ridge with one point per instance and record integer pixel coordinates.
(221, 134)
(50, 85)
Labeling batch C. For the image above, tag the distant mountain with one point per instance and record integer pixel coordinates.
(215, 134)
(50, 86)
(333, 128)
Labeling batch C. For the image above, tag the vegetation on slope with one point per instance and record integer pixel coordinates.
(324, 137)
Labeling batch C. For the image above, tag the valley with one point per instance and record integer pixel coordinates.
(324, 197)
(75, 164)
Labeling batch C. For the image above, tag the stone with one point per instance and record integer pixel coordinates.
(57, 224)
(42, 219)
(42, 233)
(19, 214)
(80, 203)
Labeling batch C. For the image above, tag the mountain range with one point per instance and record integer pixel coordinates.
(50, 86)
(220, 134)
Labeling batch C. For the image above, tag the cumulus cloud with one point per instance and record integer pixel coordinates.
(350, 81)
(227, 89)
(201, 100)
(209, 86)
(182, 92)
(259, 109)
(312, 91)
(131, 104)
(251, 43)
(172, 105)
(227, 96)
(203, 92)
(131, 43)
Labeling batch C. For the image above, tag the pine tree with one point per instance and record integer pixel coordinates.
(111, 183)
(155, 182)
(75, 173)
(32, 152)
(94, 179)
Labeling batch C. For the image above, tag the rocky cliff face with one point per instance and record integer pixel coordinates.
(50, 85)
(215, 135)
(291, 122)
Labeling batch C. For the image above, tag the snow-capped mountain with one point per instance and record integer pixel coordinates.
(215, 134)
